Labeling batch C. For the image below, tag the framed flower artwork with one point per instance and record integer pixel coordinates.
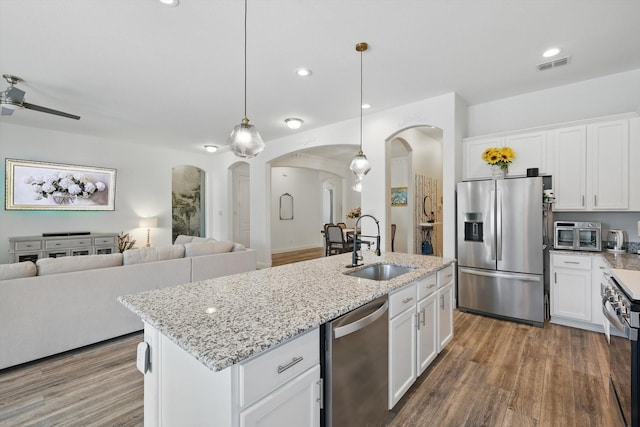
(31, 185)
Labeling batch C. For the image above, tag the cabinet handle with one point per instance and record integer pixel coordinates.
(571, 262)
(432, 286)
(583, 200)
(294, 361)
(406, 300)
(424, 317)
(442, 302)
(555, 277)
(417, 316)
(320, 399)
(595, 200)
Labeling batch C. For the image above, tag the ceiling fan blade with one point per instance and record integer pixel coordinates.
(6, 111)
(49, 110)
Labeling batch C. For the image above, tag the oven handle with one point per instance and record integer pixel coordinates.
(629, 332)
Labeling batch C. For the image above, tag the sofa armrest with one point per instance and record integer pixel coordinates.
(217, 265)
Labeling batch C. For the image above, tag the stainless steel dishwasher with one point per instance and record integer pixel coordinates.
(356, 367)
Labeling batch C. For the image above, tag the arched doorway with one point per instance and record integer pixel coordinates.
(423, 214)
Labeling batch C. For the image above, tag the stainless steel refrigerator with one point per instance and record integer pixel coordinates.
(500, 248)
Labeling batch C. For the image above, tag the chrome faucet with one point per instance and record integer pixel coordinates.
(355, 257)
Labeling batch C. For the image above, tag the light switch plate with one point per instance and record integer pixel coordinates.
(142, 360)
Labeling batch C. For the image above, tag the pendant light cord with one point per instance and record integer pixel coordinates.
(245, 58)
(361, 102)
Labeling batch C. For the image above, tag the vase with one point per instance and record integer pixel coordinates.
(498, 172)
(64, 198)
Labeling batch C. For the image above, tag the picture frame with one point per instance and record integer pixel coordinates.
(34, 185)
(398, 196)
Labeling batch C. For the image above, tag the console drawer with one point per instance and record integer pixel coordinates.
(67, 243)
(31, 245)
(100, 241)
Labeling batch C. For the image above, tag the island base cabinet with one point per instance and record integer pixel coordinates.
(445, 315)
(402, 354)
(427, 333)
(295, 404)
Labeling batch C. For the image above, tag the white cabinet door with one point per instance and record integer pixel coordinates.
(474, 167)
(402, 354)
(597, 269)
(427, 344)
(571, 289)
(608, 167)
(295, 404)
(531, 152)
(445, 315)
(569, 176)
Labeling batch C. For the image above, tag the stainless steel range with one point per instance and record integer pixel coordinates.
(623, 314)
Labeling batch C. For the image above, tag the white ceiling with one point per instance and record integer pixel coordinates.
(143, 72)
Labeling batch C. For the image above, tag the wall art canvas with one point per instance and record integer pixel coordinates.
(33, 185)
(398, 196)
(187, 201)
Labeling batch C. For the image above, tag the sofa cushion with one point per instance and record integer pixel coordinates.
(207, 248)
(142, 255)
(238, 247)
(17, 270)
(203, 239)
(66, 264)
(182, 239)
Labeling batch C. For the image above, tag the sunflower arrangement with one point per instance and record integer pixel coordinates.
(498, 156)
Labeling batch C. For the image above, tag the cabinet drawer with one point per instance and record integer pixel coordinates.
(99, 241)
(67, 243)
(402, 299)
(445, 276)
(569, 261)
(426, 286)
(268, 371)
(32, 245)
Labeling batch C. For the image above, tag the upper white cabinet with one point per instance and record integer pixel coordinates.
(592, 167)
(589, 161)
(530, 149)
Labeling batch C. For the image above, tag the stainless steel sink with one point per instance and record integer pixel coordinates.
(380, 271)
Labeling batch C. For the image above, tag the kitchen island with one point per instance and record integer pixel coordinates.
(207, 338)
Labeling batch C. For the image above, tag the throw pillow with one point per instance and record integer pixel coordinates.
(207, 248)
(17, 270)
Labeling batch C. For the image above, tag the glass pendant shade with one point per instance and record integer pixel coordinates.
(245, 141)
(360, 165)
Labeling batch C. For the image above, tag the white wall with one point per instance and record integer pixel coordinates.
(401, 215)
(603, 96)
(143, 184)
(303, 231)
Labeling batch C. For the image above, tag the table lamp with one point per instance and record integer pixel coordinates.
(148, 223)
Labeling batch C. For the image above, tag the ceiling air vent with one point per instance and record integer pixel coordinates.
(553, 64)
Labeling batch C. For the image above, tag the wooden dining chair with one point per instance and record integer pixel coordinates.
(342, 225)
(336, 243)
(326, 238)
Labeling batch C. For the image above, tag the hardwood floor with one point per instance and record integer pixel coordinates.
(296, 256)
(493, 373)
(499, 373)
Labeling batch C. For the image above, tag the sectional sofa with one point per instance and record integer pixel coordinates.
(59, 304)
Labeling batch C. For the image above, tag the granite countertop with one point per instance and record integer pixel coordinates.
(225, 320)
(624, 261)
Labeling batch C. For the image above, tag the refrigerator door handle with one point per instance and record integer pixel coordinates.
(499, 225)
(523, 277)
(493, 225)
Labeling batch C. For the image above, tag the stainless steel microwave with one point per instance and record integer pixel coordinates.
(577, 236)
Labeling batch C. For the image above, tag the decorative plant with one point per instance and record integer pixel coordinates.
(60, 183)
(125, 242)
(498, 156)
(354, 213)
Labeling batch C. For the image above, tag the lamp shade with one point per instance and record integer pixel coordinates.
(149, 222)
(245, 141)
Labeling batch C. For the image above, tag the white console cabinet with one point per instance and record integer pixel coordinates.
(32, 248)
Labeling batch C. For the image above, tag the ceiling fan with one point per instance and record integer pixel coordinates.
(12, 98)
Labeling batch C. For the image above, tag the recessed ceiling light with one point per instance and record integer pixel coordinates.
(211, 148)
(294, 123)
(551, 52)
(303, 72)
(365, 106)
(172, 3)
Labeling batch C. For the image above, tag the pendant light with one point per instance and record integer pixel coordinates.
(360, 165)
(244, 140)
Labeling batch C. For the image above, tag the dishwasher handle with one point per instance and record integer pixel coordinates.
(361, 323)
